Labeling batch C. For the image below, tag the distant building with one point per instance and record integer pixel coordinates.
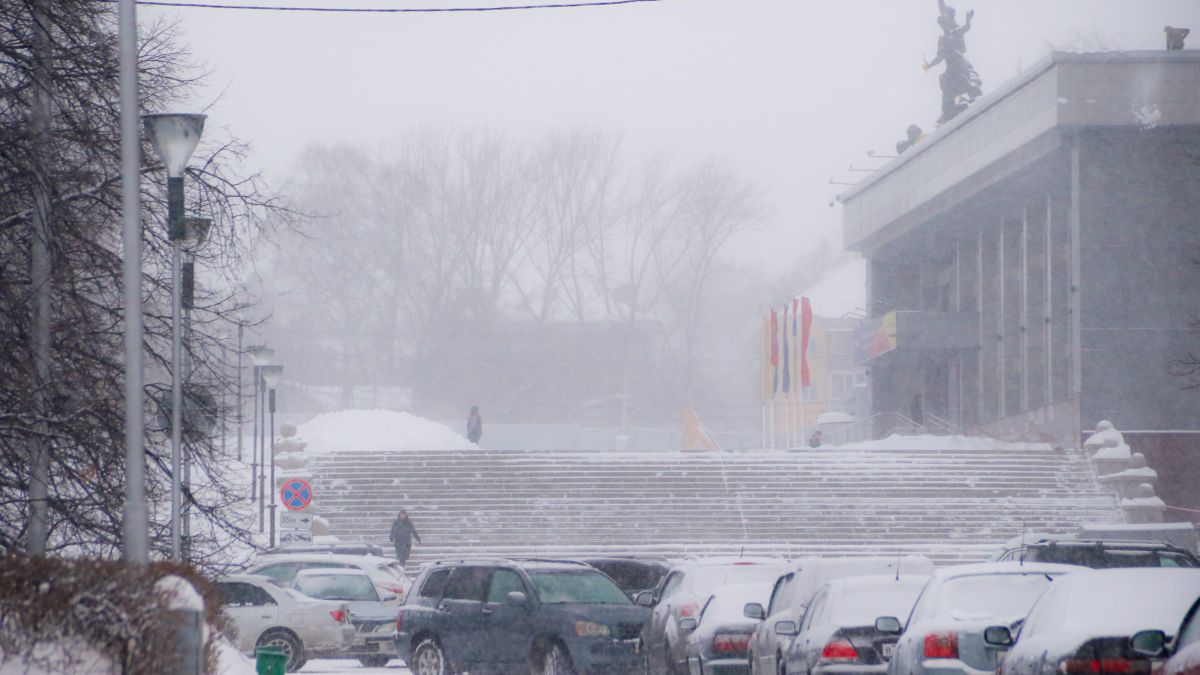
(1032, 263)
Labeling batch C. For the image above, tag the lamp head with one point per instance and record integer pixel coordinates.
(271, 374)
(195, 232)
(262, 355)
(174, 137)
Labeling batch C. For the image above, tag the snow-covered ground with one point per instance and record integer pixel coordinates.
(377, 431)
(336, 666)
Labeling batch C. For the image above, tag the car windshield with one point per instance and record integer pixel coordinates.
(337, 587)
(581, 588)
(982, 596)
(709, 578)
(861, 605)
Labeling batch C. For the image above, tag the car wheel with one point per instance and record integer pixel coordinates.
(287, 643)
(374, 661)
(428, 659)
(556, 661)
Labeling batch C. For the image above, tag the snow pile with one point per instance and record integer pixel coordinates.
(67, 656)
(932, 442)
(378, 431)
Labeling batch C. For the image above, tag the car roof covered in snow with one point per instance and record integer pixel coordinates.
(1120, 602)
(331, 571)
(1008, 567)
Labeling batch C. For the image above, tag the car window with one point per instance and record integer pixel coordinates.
(1047, 612)
(337, 587)
(434, 584)
(238, 594)
(585, 587)
(468, 583)
(815, 608)
(672, 585)
(1190, 632)
(280, 571)
(504, 582)
(778, 593)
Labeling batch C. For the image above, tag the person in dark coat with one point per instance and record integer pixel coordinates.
(474, 425)
(403, 532)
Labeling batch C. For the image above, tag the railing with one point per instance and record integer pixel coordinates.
(882, 425)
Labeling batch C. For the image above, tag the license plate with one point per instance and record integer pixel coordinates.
(888, 649)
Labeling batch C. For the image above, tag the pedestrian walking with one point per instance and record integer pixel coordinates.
(403, 532)
(474, 425)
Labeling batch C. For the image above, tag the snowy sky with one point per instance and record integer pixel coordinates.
(791, 91)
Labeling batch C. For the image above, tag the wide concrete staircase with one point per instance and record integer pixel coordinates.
(951, 505)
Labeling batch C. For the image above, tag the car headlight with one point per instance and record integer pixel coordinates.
(591, 629)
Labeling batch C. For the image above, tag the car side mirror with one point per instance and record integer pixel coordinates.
(888, 625)
(998, 636)
(754, 610)
(689, 624)
(516, 599)
(787, 628)
(644, 599)
(1151, 643)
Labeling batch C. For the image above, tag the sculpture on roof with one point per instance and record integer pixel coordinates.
(960, 83)
(1175, 36)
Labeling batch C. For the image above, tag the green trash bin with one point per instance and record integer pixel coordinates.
(270, 661)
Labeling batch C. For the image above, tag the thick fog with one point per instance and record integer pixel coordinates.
(651, 176)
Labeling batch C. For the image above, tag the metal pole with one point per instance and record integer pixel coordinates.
(241, 404)
(254, 442)
(40, 270)
(175, 222)
(262, 460)
(185, 453)
(273, 499)
(135, 518)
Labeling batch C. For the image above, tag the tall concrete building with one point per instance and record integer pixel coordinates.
(1032, 262)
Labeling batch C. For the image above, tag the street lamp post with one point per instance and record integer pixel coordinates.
(195, 234)
(270, 375)
(262, 356)
(175, 136)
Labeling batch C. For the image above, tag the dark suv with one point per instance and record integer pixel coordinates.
(549, 617)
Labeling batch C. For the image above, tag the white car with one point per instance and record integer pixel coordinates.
(387, 574)
(1091, 617)
(944, 634)
(682, 594)
(267, 615)
(795, 588)
(373, 620)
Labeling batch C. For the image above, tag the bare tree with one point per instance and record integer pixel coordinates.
(82, 426)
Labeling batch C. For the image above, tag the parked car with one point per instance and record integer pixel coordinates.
(682, 593)
(839, 632)
(1184, 653)
(944, 632)
(633, 575)
(1095, 553)
(1084, 623)
(517, 615)
(373, 619)
(266, 615)
(717, 641)
(387, 574)
(796, 587)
